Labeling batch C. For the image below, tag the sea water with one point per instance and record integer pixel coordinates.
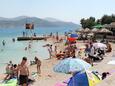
(14, 51)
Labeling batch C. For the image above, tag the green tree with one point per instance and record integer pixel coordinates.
(113, 17)
(106, 19)
(88, 23)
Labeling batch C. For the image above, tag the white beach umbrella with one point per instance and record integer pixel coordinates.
(104, 30)
(95, 30)
(99, 45)
(81, 30)
(87, 30)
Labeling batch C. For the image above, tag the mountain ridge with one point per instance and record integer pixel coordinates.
(39, 22)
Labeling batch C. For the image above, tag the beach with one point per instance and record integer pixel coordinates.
(46, 80)
(49, 78)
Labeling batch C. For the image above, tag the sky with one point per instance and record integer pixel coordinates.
(67, 10)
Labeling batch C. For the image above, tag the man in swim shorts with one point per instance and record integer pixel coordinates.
(23, 72)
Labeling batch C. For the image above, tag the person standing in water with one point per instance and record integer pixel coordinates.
(55, 49)
(23, 72)
(3, 43)
(50, 53)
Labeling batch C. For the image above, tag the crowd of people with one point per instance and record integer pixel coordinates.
(21, 71)
(90, 53)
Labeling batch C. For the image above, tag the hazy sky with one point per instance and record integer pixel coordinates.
(69, 10)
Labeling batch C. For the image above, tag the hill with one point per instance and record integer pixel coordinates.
(21, 20)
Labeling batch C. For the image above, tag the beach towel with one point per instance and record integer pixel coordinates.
(111, 62)
(60, 84)
(11, 82)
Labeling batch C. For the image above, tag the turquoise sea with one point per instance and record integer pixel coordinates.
(14, 51)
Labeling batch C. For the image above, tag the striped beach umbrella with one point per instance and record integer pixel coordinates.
(85, 78)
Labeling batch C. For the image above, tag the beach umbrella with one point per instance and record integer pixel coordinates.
(87, 30)
(81, 30)
(74, 35)
(81, 47)
(85, 78)
(104, 30)
(90, 34)
(95, 30)
(98, 26)
(71, 39)
(71, 65)
(99, 45)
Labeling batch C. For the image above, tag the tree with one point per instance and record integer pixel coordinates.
(88, 23)
(83, 23)
(113, 17)
(91, 21)
(98, 21)
(106, 19)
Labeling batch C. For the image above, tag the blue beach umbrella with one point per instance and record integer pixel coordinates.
(71, 65)
(74, 35)
(84, 78)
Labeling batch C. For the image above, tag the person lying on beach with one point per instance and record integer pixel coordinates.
(23, 73)
(88, 60)
(38, 62)
(60, 55)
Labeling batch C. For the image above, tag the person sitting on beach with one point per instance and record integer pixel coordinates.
(23, 72)
(9, 72)
(80, 53)
(87, 50)
(38, 62)
(15, 71)
(109, 48)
